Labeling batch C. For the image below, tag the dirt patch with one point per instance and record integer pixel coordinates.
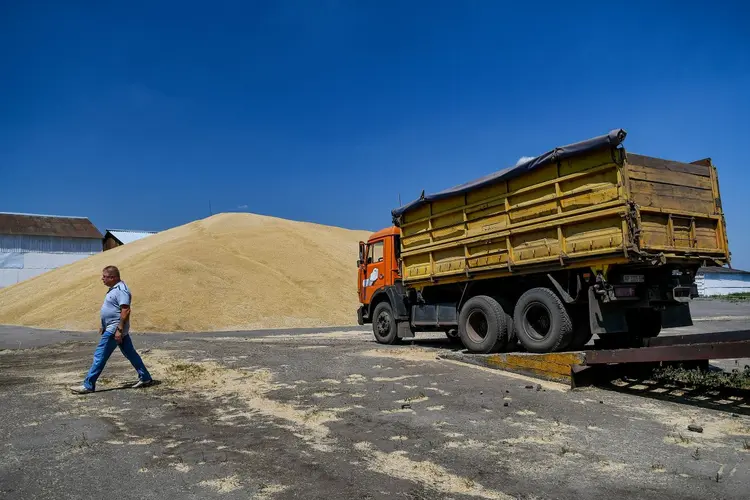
(269, 491)
(325, 394)
(394, 379)
(250, 388)
(404, 353)
(223, 485)
(432, 476)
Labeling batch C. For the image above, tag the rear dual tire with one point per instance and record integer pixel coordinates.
(542, 323)
(483, 325)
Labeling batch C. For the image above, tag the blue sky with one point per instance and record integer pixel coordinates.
(136, 115)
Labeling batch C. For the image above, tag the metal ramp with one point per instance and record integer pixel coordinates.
(580, 368)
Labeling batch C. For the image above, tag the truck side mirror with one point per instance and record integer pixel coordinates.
(361, 253)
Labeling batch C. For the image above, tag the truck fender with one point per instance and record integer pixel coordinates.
(560, 290)
(396, 299)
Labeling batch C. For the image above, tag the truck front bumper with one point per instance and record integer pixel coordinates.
(361, 315)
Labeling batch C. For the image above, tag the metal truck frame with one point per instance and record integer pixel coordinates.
(585, 239)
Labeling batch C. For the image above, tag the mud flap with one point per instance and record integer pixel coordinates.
(403, 330)
(604, 318)
(676, 316)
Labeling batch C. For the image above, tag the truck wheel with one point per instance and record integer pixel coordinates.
(644, 323)
(384, 324)
(542, 322)
(481, 325)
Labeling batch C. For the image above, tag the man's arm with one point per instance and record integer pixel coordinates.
(124, 317)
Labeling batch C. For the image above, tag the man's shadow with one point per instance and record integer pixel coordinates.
(129, 385)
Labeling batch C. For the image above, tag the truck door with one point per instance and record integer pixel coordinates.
(374, 269)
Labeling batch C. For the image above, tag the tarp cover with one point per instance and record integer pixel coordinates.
(613, 139)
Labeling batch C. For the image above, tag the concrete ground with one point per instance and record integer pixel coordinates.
(331, 414)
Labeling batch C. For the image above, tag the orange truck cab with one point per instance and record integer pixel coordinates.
(379, 282)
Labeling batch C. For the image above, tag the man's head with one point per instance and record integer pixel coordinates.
(110, 276)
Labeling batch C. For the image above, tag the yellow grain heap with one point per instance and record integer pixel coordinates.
(226, 272)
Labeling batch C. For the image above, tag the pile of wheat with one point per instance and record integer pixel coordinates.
(227, 272)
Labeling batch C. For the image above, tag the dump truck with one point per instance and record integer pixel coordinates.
(586, 239)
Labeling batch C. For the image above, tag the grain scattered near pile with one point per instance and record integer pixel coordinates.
(226, 272)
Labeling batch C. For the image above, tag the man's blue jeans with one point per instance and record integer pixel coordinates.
(104, 350)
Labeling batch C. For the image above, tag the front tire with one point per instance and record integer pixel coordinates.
(542, 322)
(384, 324)
(481, 325)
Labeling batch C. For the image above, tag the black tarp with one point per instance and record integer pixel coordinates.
(613, 139)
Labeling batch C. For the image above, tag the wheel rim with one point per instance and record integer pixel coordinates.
(384, 324)
(476, 326)
(537, 321)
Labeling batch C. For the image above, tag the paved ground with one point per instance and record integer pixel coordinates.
(331, 414)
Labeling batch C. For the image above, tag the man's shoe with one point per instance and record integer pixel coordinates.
(142, 383)
(81, 389)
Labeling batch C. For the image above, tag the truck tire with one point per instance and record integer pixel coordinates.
(542, 322)
(481, 325)
(644, 323)
(384, 324)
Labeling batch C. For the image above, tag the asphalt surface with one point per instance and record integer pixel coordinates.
(330, 414)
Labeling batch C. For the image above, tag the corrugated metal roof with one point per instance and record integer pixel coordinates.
(47, 225)
(125, 236)
(720, 270)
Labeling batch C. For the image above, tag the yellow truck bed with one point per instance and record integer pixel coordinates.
(596, 205)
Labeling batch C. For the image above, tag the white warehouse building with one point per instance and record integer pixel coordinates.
(33, 244)
(713, 281)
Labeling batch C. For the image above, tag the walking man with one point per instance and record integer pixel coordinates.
(115, 319)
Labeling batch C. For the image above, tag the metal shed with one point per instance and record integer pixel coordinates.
(32, 244)
(714, 281)
(117, 237)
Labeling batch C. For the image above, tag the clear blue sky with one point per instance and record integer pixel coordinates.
(137, 115)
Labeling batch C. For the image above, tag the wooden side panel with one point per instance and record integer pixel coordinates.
(562, 211)
(679, 207)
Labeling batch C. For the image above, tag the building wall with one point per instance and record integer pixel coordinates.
(711, 284)
(23, 257)
(110, 243)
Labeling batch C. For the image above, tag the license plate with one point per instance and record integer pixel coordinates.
(633, 278)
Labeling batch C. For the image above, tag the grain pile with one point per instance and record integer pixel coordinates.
(226, 272)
